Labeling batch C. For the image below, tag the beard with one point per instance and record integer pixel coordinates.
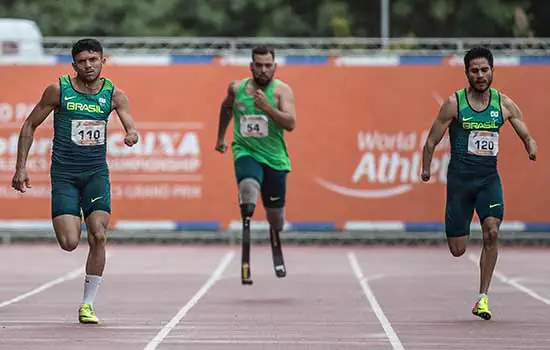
(473, 85)
(263, 81)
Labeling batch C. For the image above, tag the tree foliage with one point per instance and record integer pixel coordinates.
(289, 18)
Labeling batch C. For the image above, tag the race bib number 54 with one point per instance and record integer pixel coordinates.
(254, 126)
(483, 143)
(88, 132)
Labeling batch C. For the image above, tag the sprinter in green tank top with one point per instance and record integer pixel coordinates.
(79, 173)
(262, 109)
(474, 117)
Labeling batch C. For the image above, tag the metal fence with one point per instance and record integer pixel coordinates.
(305, 46)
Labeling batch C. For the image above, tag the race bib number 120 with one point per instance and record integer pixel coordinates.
(88, 132)
(483, 143)
(254, 126)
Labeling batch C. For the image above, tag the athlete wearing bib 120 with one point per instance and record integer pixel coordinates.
(474, 117)
(262, 109)
(79, 172)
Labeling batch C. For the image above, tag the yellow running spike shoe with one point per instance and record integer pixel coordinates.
(86, 314)
(481, 308)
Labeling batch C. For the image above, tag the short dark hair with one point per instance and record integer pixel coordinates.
(263, 50)
(86, 44)
(478, 52)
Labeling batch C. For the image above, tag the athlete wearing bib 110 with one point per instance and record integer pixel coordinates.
(81, 105)
(473, 181)
(79, 171)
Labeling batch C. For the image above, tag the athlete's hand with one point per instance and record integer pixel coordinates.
(221, 146)
(131, 138)
(260, 100)
(21, 180)
(425, 175)
(532, 150)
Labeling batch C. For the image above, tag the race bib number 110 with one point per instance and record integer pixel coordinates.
(254, 126)
(483, 143)
(88, 132)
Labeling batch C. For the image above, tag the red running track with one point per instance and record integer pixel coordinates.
(176, 297)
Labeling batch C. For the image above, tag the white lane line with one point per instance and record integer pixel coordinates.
(512, 282)
(388, 329)
(218, 272)
(67, 277)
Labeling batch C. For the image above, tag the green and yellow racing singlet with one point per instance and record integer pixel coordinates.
(80, 128)
(474, 136)
(255, 133)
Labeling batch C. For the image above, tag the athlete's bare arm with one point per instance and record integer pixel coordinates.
(226, 113)
(285, 115)
(447, 113)
(48, 102)
(121, 105)
(516, 119)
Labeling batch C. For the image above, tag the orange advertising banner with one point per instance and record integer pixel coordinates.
(356, 151)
